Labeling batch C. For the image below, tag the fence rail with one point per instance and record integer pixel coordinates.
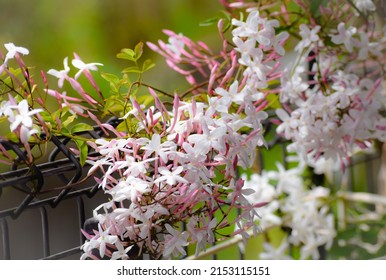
(38, 189)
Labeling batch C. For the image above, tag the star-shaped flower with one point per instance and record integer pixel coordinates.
(13, 50)
(84, 66)
(62, 74)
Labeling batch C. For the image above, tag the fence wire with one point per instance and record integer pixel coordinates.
(37, 198)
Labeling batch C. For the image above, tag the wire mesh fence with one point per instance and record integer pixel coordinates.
(43, 206)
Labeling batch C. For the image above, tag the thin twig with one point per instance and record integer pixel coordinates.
(363, 197)
(219, 247)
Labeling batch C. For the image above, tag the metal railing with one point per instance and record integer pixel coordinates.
(36, 191)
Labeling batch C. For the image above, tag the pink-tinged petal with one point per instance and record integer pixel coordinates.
(16, 122)
(204, 46)
(191, 80)
(24, 134)
(2, 68)
(176, 105)
(77, 86)
(77, 63)
(212, 78)
(138, 107)
(173, 66)
(113, 130)
(153, 47)
(98, 122)
(169, 33)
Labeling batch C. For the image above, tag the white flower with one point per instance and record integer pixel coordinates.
(292, 86)
(365, 47)
(345, 36)
(175, 242)
(209, 139)
(289, 125)
(308, 37)
(250, 27)
(5, 109)
(13, 50)
(171, 177)
(121, 252)
(22, 118)
(176, 44)
(272, 253)
(281, 37)
(155, 146)
(62, 74)
(201, 231)
(131, 188)
(231, 95)
(365, 5)
(134, 168)
(84, 66)
(247, 48)
(103, 237)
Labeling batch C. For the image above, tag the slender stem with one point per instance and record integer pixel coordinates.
(363, 197)
(157, 89)
(219, 247)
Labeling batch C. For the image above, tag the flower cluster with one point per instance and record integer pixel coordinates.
(18, 114)
(300, 210)
(184, 173)
(188, 170)
(20, 118)
(333, 106)
(73, 104)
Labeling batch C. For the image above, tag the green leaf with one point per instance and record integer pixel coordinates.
(145, 99)
(68, 121)
(81, 127)
(209, 22)
(127, 54)
(83, 151)
(274, 102)
(122, 127)
(2, 119)
(315, 7)
(132, 69)
(132, 55)
(224, 16)
(138, 50)
(147, 65)
(114, 104)
(12, 137)
(110, 78)
(125, 81)
(129, 125)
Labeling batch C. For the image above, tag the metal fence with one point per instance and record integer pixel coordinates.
(44, 205)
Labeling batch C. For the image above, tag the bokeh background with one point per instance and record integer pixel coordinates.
(98, 29)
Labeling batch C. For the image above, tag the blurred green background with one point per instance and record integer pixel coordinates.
(98, 29)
